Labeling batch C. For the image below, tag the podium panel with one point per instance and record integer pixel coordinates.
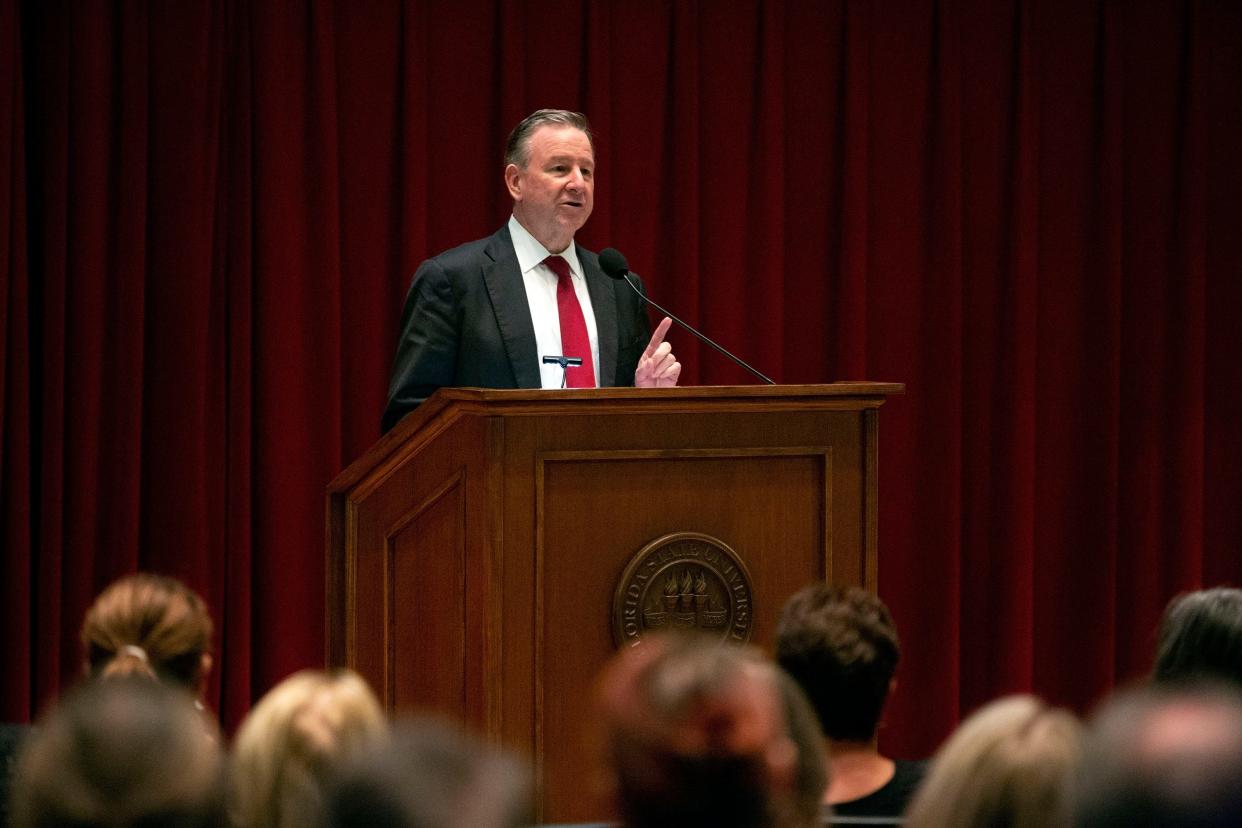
(476, 553)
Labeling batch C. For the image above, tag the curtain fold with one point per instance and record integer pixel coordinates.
(1025, 211)
(16, 495)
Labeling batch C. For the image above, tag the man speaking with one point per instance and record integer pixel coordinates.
(486, 314)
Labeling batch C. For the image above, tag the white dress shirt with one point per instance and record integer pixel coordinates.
(540, 283)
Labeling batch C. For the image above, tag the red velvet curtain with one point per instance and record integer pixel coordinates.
(1026, 211)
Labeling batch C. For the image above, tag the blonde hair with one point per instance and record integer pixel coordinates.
(148, 625)
(305, 727)
(1010, 763)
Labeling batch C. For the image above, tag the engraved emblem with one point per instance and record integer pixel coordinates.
(683, 581)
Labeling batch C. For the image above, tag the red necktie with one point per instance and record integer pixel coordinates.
(574, 339)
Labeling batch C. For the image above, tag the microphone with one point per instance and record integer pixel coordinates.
(565, 362)
(613, 264)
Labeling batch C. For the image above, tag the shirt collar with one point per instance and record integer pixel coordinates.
(530, 253)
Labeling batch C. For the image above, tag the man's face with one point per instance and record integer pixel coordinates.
(554, 194)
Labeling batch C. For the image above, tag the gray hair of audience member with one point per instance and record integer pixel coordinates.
(517, 148)
(432, 774)
(293, 740)
(119, 754)
(1164, 755)
(811, 777)
(1201, 637)
(1011, 763)
(694, 734)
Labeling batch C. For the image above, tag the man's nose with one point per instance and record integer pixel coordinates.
(576, 179)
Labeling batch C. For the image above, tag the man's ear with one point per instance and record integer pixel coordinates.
(513, 181)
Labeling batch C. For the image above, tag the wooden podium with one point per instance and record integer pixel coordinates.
(476, 553)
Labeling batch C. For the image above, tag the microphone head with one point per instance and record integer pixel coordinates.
(613, 263)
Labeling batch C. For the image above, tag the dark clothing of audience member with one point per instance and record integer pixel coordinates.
(888, 801)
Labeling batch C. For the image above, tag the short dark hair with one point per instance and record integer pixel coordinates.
(1201, 637)
(840, 645)
(517, 148)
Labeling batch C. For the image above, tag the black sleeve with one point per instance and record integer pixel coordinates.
(427, 346)
(635, 327)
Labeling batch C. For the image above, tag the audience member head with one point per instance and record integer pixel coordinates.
(840, 645)
(303, 730)
(1201, 637)
(121, 754)
(1164, 755)
(812, 771)
(149, 625)
(430, 774)
(1011, 763)
(695, 734)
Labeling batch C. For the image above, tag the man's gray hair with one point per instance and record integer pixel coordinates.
(517, 150)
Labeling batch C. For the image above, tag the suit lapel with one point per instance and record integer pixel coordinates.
(503, 278)
(604, 304)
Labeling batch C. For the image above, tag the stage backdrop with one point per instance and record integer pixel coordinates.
(1028, 212)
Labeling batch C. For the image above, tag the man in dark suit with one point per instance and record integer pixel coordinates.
(486, 313)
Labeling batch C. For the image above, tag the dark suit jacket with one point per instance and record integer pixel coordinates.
(467, 323)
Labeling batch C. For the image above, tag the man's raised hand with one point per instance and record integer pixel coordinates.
(657, 367)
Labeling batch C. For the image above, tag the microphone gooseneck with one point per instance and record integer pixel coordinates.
(614, 265)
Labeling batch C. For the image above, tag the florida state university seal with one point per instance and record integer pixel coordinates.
(683, 581)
